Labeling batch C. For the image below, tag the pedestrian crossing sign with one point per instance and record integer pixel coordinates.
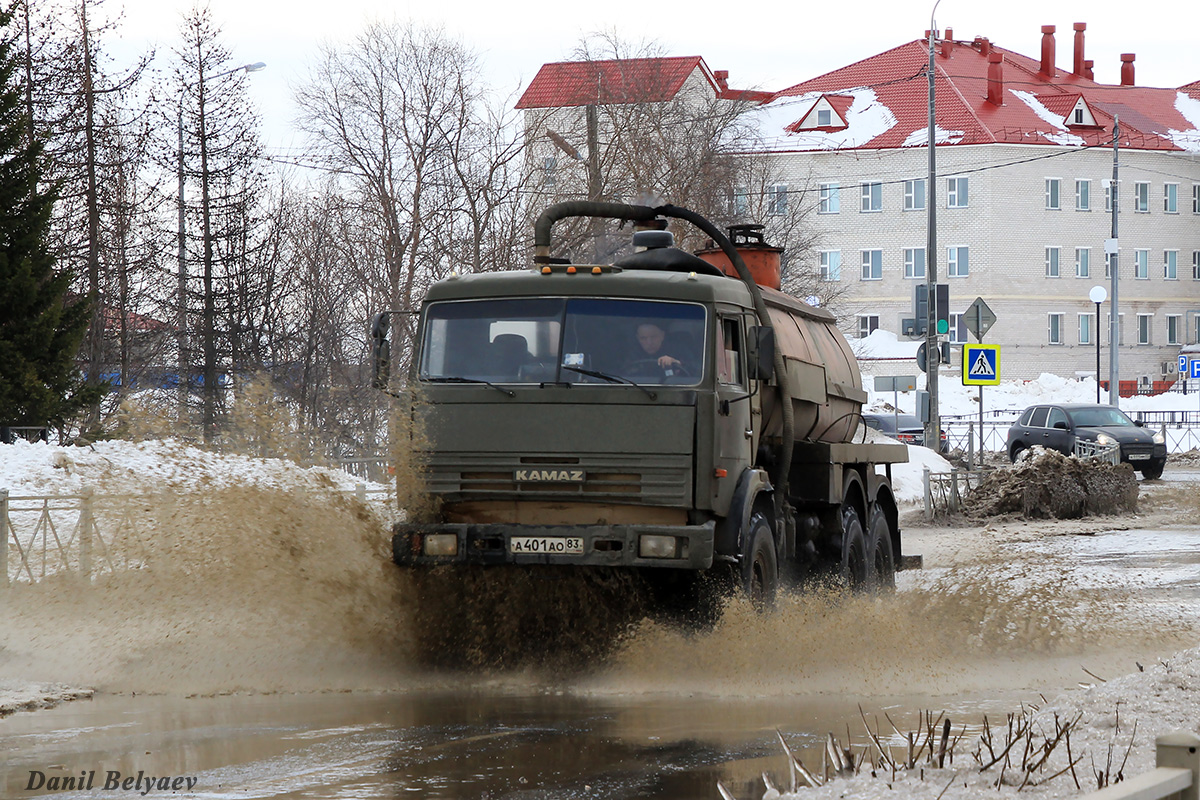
(981, 364)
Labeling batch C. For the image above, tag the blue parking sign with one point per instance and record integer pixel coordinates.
(1196, 367)
(1183, 364)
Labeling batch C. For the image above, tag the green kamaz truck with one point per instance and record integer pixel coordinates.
(665, 413)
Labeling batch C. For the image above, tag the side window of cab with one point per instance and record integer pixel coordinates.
(1038, 420)
(729, 351)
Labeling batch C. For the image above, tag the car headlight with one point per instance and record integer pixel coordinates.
(1105, 439)
(1160, 437)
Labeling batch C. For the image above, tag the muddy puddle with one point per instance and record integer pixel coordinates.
(262, 643)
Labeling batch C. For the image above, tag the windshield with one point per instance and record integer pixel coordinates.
(1100, 417)
(564, 340)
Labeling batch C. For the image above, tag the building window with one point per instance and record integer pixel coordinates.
(1144, 322)
(872, 197)
(830, 198)
(872, 265)
(777, 199)
(1052, 259)
(956, 193)
(1171, 265)
(958, 328)
(1108, 259)
(1196, 198)
(830, 265)
(957, 262)
(1053, 194)
(1085, 328)
(1174, 328)
(1109, 194)
(549, 165)
(740, 200)
(1141, 264)
(867, 324)
(914, 262)
(1083, 261)
(914, 195)
(1141, 197)
(824, 117)
(1083, 195)
(1054, 328)
(1171, 198)
(1196, 265)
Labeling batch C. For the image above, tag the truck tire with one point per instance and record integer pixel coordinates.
(760, 568)
(853, 571)
(880, 553)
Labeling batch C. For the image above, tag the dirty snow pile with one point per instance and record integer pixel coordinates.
(1121, 715)
(129, 467)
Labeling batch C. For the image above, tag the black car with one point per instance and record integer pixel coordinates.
(903, 428)
(1059, 426)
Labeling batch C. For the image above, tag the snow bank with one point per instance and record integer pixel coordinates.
(126, 467)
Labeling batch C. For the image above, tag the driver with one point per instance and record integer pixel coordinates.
(650, 336)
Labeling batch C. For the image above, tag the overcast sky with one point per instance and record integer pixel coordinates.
(774, 46)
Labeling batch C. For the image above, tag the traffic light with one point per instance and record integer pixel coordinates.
(941, 307)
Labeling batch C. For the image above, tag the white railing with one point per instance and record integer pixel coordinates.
(1108, 453)
(84, 534)
(1177, 756)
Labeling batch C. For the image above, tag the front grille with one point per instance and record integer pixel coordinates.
(650, 480)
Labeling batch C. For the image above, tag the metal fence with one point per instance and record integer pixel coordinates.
(86, 534)
(1181, 429)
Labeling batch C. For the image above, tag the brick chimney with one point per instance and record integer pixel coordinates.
(1078, 67)
(1087, 70)
(1047, 51)
(985, 45)
(722, 78)
(948, 43)
(1127, 69)
(995, 78)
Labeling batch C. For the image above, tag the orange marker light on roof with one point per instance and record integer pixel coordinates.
(570, 270)
(546, 270)
(596, 270)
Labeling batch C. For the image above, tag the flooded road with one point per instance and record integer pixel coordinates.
(1001, 616)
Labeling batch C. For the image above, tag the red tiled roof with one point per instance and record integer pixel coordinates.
(628, 80)
(897, 77)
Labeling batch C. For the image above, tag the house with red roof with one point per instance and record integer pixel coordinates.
(577, 115)
(1024, 154)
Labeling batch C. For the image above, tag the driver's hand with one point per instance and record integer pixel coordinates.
(669, 361)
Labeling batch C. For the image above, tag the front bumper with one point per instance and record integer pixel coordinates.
(602, 545)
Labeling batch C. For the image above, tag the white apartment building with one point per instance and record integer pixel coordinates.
(1024, 161)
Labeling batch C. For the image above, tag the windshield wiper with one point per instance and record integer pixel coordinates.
(604, 376)
(456, 379)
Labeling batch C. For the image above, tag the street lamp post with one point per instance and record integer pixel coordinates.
(181, 322)
(1098, 295)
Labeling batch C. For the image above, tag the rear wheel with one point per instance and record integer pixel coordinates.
(760, 568)
(1015, 452)
(881, 555)
(853, 571)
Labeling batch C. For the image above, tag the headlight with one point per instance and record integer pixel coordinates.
(441, 544)
(1105, 439)
(652, 545)
(1160, 437)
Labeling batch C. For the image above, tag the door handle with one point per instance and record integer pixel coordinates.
(749, 433)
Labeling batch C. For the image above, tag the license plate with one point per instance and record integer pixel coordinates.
(1138, 456)
(541, 545)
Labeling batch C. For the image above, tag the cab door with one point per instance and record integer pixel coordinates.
(734, 434)
(1058, 434)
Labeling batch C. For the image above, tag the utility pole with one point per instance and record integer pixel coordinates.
(593, 175)
(933, 353)
(1112, 248)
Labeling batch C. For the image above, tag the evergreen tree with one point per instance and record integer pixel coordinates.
(40, 328)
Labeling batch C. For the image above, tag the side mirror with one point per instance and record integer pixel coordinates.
(381, 350)
(1062, 426)
(761, 352)
(1139, 423)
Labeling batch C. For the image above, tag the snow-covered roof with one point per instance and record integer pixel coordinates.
(890, 108)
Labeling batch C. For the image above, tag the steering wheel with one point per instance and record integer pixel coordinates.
(642, 365)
